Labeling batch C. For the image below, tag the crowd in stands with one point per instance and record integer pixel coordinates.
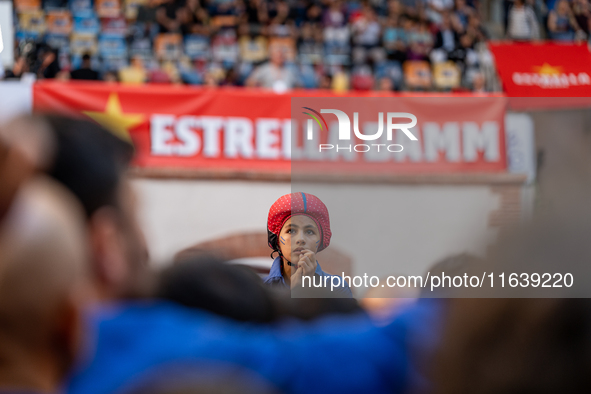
(557, 20)
(329, 44)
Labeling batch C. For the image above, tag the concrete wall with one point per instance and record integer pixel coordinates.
(423, 223)
(176, 214)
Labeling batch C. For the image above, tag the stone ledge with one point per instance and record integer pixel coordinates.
(402, 179)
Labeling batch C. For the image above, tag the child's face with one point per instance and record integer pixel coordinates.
(298, 234)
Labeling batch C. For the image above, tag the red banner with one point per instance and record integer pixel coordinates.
(543, 69)
(251, 131)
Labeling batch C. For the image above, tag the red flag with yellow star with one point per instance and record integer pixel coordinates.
(234, 132)
(175, 127)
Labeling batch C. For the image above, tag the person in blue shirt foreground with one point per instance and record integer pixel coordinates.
(298, 227)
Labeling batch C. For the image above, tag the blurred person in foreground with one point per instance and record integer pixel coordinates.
(204, 281)
(383, 303)
(92, 163)
(208, 283)
(529, 337)
(515, 345)
(43, 288)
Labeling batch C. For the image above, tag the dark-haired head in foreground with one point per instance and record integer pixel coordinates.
(206, 282)
(535, 337)
(92, 163)
(235, 291)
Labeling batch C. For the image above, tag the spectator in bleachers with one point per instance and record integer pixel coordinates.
(230, 79)
(166, 16)
(195, 18)
(462, 13)
(325, 82)
(19, 67)
(522, 25)
(85, 72)
(562, 24)
(310, 46)
(464, 53)
(238, 36)
(385, 84)
(253, 46)
(478, 83)
(314, 14)
(255, 14)
(48, 65)
(476, 30)
(334, 16)
(435, 9)
(447, 38)
(135, 73)
(110, 76)
(394, 38)
(147, 12)
(211, 79)
(395, 8)
(366, 29)
(420, 41)
(582, 12)
(274, 74)
(281, 20)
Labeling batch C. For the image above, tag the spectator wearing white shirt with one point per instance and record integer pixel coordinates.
(274, 74)
(522, 22)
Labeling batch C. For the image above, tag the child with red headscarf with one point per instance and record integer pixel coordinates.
(298, 227)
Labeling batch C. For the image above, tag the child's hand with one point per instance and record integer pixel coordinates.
(306, 267)
(307, 262)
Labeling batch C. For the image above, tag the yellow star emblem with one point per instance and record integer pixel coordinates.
(548, 69)
(114, 120)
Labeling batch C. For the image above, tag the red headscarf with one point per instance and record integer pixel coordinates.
(298, 204)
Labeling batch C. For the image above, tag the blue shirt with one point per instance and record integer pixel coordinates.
(131, 342)
(276, 279)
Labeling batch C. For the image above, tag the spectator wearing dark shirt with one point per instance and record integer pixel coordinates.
(166, 16)
(47, 66)
(85, 72)
(582, 12)
(446, 38)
